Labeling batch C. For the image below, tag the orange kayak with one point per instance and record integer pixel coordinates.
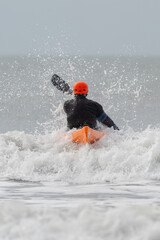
(86, 135)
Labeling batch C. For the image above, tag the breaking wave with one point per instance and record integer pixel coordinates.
(119, 155)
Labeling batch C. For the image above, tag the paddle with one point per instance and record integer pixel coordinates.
(60, 84)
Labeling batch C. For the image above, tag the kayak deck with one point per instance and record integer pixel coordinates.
(86, 135)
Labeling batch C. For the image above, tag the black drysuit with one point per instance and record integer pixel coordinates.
(84, 112)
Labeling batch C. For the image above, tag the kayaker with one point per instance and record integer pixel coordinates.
(82, 111)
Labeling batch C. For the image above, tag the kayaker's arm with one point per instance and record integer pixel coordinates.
(106, 120)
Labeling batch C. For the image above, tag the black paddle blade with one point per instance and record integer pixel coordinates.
(60, 84)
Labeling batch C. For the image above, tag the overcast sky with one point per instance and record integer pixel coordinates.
(80, 27)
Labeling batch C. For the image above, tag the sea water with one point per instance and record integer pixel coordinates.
(51, 188)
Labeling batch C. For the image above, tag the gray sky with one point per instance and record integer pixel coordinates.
(80, 27)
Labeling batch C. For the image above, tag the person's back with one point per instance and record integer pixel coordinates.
(84, 112)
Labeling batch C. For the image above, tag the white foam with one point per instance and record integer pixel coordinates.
(120, 155)
(19, 221)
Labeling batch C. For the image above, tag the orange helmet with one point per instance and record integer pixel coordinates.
(80, 88)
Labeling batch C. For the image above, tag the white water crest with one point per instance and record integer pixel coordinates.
(118, 156)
